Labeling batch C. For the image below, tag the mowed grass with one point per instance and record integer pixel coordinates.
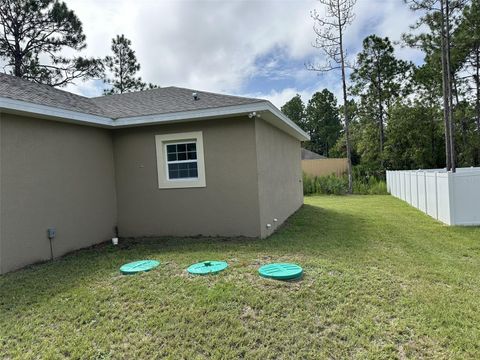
(382, 280)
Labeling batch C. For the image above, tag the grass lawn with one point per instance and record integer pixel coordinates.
(382, 280)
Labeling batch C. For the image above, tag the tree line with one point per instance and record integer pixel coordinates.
(35, 33)
(402, 115)
(393, 114)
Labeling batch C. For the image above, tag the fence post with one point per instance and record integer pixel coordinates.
(393, 183)
(388, 182)
(410, 175)
(418, 194)
(397, 184)
(451, 197)
(425, 190)
(436, 195)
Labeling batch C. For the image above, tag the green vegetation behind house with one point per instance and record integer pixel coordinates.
(382, 281)
(333, 185)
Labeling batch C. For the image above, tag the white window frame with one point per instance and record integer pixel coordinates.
(161, 142)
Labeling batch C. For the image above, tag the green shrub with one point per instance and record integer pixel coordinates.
(329, 185)
(369, 186)
(333, 185)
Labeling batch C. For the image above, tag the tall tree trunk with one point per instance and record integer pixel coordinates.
(446, 101)
(434, 149)
(463, 120)
(449, 87)
(477, 97)
(17, 69)
(345, 105)
(121, 75)
(380, 117)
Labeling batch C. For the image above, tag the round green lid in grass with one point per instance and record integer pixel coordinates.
(281, 271)
(139, 266)
(207, 267)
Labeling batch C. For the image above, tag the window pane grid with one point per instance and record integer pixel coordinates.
(182, 160)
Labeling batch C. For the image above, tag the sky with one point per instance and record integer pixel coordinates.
(255, 48)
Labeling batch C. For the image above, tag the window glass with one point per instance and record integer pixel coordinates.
(182, 161)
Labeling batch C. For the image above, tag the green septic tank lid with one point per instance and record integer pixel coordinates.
(281, 271)
(139, 266)
(207, 267)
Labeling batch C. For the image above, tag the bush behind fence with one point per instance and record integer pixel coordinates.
(334, 185)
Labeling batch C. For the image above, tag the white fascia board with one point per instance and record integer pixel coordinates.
(53, 112)
(191, 115)
(278, 119)
(274, 110)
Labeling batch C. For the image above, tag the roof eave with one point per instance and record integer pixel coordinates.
(49, 112)
(263, 108)
(300, 134)
(277, 119)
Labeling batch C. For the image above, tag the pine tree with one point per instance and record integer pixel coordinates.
(294, 109)
(467, 39)
(323, 122)
(439, 15)
(330, 30)
(123, 66)
(31, 30)
(379, 79)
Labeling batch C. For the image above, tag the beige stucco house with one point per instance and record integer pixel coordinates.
(167, 161)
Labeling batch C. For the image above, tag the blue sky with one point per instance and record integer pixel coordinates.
(250, 47)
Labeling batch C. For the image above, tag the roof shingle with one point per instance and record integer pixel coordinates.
(148, 102)
(310, 155)
(165, 100)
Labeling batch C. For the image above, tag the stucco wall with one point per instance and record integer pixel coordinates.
(53, 175)
(279, 175)
(227, 206)
(84, 180)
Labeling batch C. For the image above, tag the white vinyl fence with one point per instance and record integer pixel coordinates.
(452, 198)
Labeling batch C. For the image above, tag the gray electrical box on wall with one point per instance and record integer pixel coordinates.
(51, 233)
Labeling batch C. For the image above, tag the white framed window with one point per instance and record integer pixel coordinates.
(180, 160)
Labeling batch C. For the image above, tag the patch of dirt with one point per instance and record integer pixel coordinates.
(249, 314)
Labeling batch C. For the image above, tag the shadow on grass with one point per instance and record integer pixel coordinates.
(310, 231)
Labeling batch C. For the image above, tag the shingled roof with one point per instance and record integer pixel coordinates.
(148, 102)
(15, 88)
(165, 100)
(310, 155)
(155, 106)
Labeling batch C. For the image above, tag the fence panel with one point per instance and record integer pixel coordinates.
(443, 198)
(466, 198)
(431, 194)
(402, 185)
(408, 187)
(324, 167)
(414, 189)
(453, 198)
(422, 191)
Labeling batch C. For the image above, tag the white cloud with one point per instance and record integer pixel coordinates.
(213, 45)
(210, 45)
(279, 98)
